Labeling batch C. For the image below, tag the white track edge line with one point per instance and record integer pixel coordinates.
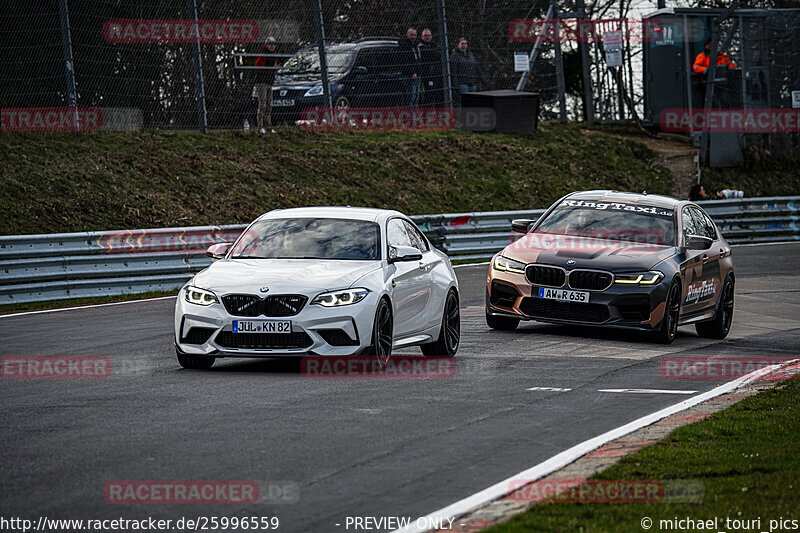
(86, 306)
(470, 503)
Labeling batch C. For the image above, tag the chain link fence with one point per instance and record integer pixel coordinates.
(113, 65)
(194, 64)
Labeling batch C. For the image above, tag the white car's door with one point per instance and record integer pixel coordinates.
(430, 260)
(410, 282)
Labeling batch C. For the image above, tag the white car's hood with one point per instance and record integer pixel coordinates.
(299, 276)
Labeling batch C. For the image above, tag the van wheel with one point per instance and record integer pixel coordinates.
(342, 110)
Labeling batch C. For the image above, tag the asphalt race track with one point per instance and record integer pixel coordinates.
(352, 447)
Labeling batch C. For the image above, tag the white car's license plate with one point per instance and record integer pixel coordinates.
(283, 102)
(563, 295)
(262, 326)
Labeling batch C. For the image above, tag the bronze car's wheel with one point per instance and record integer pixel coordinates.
(721, 325)
(669, 324)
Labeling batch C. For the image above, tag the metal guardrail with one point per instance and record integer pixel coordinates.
(78, 265)
(89, 264)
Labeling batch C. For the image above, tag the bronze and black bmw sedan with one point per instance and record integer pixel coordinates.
(615, 259)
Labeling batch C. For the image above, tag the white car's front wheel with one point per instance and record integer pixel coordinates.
(382, 332)
(450, 334)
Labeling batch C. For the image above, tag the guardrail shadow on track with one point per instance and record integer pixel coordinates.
(37, 268)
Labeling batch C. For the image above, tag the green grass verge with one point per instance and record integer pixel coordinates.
(103, 181)
(747, 457)
(60, 304)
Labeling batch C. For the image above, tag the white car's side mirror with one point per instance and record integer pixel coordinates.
(398, 254)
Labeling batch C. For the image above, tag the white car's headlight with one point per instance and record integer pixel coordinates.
(343, 297)
(508, 265)
(639, 278)
(314, 91)
(200, 296)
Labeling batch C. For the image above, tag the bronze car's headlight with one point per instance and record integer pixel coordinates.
(508, 265)
(651, 277)
(200, 296)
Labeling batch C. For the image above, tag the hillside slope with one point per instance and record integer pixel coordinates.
(63, 182)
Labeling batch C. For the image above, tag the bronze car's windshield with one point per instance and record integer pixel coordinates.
(612, 221)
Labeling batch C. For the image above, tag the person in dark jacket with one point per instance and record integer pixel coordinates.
(264, 78)
(431, 65)
(465, 71)
(411, 67)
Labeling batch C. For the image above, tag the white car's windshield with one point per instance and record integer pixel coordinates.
(612, 220)
(309, 238)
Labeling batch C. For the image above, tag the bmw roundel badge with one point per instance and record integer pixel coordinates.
(264, 289)
(571, 262)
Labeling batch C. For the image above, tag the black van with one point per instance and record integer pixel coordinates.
(363, 73)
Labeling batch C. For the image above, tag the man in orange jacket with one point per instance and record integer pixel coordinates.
(702, 61)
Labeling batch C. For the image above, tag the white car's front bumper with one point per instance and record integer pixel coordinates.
(311, 331)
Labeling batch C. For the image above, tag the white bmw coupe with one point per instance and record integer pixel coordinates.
(320, 281)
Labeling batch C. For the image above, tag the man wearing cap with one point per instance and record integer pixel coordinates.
(264, 78)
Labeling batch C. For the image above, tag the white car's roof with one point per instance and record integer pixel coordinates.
(353, 213)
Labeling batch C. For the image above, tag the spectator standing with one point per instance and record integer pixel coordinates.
(465, 71)
(410, 62)
(264, 79)
(431, 60)
(697, 193)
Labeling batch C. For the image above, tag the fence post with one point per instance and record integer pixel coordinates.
(562, 99)
(711, 73)
(323, 55)
(199, 83)
(523, 80)
(69, 65)
(583, 48)
(447, 80)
